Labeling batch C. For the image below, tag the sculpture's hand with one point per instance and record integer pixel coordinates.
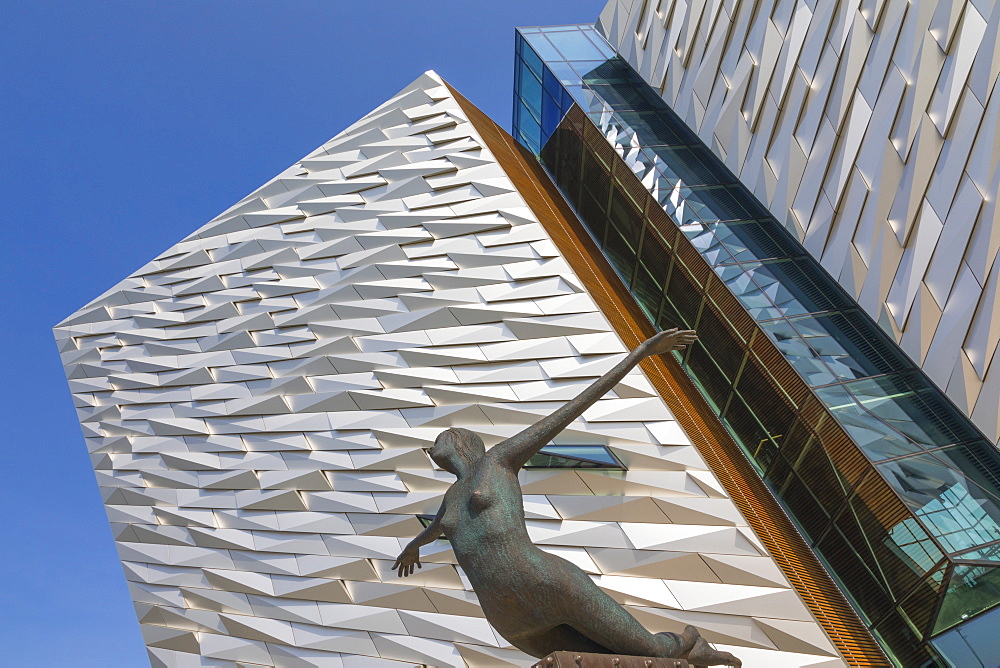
(667, 341)
(406, 560)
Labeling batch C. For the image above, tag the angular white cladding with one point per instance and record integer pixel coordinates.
(257, 401)
(872, 131)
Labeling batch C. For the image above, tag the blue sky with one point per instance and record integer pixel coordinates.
(126, 125)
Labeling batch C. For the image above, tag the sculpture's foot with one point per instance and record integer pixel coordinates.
(698, 652)
(688, 637)
(703, 654)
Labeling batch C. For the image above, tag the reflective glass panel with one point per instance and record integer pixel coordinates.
(574, 45)
(876, 438)
(574, 457)
(543, 48)
(971, 590)
(797, 351)
(956, 512)
(889, 560)
(915, 408)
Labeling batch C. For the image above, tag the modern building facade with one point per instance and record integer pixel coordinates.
(258, 399)
(871, 131)
(892, 486)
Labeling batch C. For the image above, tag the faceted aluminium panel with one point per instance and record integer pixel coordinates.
(257, 402)
(872, 131)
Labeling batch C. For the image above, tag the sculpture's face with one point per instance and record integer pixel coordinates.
(456, 449)
(443, 452)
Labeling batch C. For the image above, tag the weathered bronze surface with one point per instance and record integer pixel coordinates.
(539, 602)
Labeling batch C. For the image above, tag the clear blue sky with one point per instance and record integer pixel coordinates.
(126, 125)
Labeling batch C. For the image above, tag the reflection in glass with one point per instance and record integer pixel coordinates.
(574, 45)
(795, 349)
(959, 514)
(806, 354)
(914, 408)
(971, 590)
(574, 457)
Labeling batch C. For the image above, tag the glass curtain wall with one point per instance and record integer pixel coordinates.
(893, 487)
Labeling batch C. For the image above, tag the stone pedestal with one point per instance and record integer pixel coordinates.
(588, 660)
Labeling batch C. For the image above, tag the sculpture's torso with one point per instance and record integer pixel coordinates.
(521, 588)
(484, 518)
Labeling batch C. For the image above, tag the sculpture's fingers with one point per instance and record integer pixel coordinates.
(665, 334)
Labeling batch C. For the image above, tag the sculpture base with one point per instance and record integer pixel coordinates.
(589, 660)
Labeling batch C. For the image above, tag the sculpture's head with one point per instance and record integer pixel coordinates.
(455, 448)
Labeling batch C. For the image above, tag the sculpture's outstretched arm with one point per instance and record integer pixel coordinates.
(410, 556)
(514, 452)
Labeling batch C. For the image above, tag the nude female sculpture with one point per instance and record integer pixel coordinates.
(539, 602)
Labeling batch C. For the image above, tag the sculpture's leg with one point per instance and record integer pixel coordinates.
(608, 624)
(559, 638)
(598, 619)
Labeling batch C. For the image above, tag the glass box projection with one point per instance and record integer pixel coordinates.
(892, 486)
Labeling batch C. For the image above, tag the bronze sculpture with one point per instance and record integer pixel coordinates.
(539, 602)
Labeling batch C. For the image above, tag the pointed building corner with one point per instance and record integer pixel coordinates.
(258, 400)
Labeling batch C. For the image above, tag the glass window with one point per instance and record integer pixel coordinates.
(915, 409)
(585, 68)
(795, 494)
(652, 129)
(617, 96)
(959, 514)
(685, 166)
(574, 45)
(750, 295)
(528, 127)
(551, 84)
(530, 56)
(751, 240)
(850, 354)
(971, 590)
(797, 351)
(563, 71)
(875, 438)
(530, 91)
(719, 202)
(593, 454)
(887, 552)
(602, 44)
(551, 115)
(709, 245)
